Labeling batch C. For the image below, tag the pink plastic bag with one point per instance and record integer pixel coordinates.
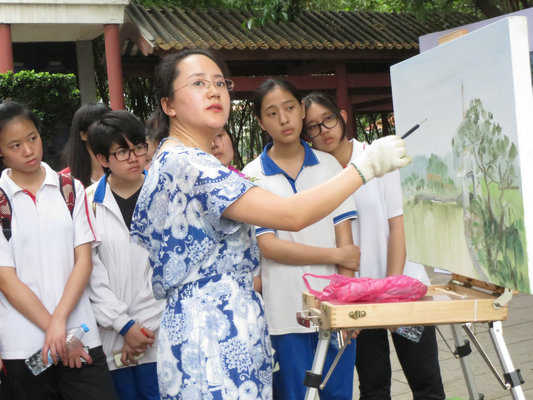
(391, 289)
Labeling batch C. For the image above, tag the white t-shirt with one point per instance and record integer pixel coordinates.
(41, 249)
(282, 284)
(378, 201)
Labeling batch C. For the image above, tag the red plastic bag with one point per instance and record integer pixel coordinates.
(391, 289)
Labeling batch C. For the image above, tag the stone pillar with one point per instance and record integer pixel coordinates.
(86, 82)
(6, 49)
(114, 66)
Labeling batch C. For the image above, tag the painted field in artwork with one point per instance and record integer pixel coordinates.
(466, 192)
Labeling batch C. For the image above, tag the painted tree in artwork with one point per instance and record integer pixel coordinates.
(495, 213)
(437, 176)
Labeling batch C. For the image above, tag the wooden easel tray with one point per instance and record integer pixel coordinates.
(443, 304)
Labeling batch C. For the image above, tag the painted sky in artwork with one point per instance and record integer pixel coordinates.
(432, 85)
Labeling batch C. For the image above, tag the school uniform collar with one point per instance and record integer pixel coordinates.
(10, 187)
(99, 193)
(271, 168)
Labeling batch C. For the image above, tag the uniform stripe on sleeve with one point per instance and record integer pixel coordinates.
(260, 231)
(343, 217)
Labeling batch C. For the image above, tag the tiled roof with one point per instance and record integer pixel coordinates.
(223, 29)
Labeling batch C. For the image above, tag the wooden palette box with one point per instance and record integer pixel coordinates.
(443, 304)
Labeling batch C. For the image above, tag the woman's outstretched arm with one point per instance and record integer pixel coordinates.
(260, 207)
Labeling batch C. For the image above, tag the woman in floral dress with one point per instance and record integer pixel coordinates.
(193, 216)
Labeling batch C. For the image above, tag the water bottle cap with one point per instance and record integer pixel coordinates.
(84, 327)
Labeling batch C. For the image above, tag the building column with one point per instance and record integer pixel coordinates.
(343, 99)
(114, 66)
(6, 49)
(85, 61)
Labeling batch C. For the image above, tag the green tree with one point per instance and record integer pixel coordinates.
(437, 175)
(413, 183)
(248, 138)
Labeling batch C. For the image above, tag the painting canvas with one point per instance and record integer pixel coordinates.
(468, 194)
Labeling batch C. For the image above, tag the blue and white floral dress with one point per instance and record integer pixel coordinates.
(213, 340)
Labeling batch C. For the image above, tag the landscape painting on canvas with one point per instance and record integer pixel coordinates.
(468, 194)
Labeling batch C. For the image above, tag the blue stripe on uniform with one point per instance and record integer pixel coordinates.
(260, 231)
(343, 217)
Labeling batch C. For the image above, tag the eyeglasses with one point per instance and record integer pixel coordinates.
(315, 130)
(124, 154)
(205, 84)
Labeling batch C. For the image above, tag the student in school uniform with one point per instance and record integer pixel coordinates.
(119, 144)
(44, 269)
(285, 167)
(379, 232)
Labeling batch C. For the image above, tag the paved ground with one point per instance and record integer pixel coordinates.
(518, 334)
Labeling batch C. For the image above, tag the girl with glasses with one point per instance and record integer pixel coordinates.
(288, 166)
(379, 233)
(127, 313)
(194, 215)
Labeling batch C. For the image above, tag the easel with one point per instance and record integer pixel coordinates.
(460, 302)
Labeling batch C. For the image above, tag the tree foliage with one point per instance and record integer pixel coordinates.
(248, 138)
(284, 10)
(493, 218)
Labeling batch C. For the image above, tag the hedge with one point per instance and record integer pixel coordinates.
(54, 97)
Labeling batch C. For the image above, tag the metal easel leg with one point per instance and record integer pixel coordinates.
(313, 378)
(462, 350)
(513, 378)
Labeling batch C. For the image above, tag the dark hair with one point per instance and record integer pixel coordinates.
(327, 101)
(75, 154)
(11, 110)
(266, 87)
(150, 128)
(115, 127)
(166, 73)
(228, 132)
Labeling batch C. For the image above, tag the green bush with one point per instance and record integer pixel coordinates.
(54, 97)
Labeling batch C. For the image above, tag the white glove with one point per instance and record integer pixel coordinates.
(384, 155)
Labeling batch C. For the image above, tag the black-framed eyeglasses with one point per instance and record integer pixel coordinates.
(205, 84)
(315, 130)
(124, 154)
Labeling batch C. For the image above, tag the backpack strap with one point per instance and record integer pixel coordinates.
(68, 190)
(5, 214)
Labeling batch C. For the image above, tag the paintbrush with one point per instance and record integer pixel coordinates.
(414, 128)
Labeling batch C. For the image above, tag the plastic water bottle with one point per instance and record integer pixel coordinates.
(73, 338)
(413, 333)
